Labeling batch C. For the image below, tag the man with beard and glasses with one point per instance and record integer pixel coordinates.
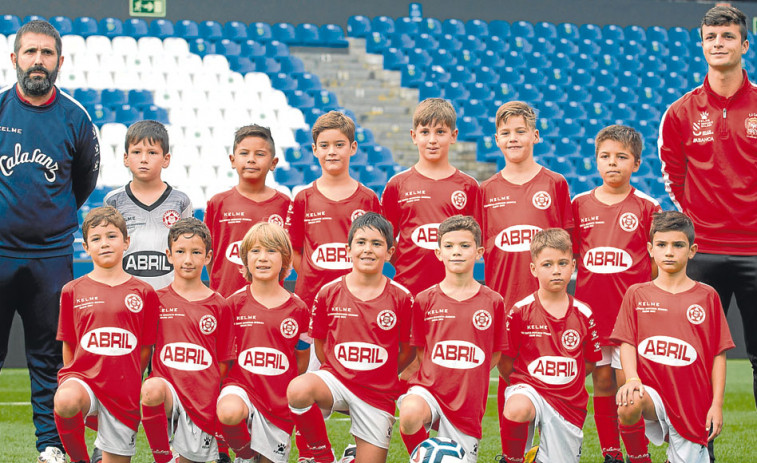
(49, 161)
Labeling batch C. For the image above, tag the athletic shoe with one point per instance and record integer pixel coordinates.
(97, 456)
(51, 455)
(223, 458)
(531, 455)
(305, 460)
(349, 454)
(612, 459)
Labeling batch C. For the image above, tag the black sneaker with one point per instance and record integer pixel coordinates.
(612, 459)
(223, 458)
(97, 456)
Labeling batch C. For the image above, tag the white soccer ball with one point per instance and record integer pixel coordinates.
(438, 450)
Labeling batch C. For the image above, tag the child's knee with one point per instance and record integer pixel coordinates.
(230, 411)
(604, 380)
(153, 392)
(299, 393)
(69, 401)
(629, 414)
(413, 410)
(519, 409)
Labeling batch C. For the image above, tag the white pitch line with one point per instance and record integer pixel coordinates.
(15, 404)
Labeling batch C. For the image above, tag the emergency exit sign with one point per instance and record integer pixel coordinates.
(153, 8)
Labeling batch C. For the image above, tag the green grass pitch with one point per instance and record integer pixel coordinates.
(17, 431)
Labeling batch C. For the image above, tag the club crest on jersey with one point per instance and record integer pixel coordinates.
(426, 235)
(458, 355)
(133, 302)
(482, 320)
(459, 199)
(570, 339)
(516, 238)
(750, 124)
(332, 256)
(386, 320)
(355, 214)
(628, 222)
(276, 219)
(360, 356)
(170, 218)
(185, 356)
(289, 328)
(208, 324)
(541, 200)
(109, 341)
(263, 361)
(667, 351)
(702, 128)
(607, 260)
(232, 253)
(553, 370)
(695, 314)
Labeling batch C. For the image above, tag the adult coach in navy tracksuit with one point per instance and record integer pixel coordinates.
(49, 160)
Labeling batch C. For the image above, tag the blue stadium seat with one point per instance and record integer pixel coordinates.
(553, 93)
(561, 61)
(542, 45)
(549, 109)
(284, 32)
(187, 29)
(649, 96)
(676, 80)
(529, 93)
(499, 28)
(241, 64)
(360, 158)
(364, 136)
(430, 89)
(472, 43)
(139, 98)
(161, 28)
(110, 27)
(235, 30)
(578, 93)
(584, 61)
(487, 123)
(588, 47)
(402, 41)
(259, 31)
(698, 64)
(496, 44)
(86, 96)
(312, 115)
(477, 27)
(480, 91)
(9, 24)
(374, 178)
(520, 44)
(657, 48)
(268, 65)
(628, 79)
(300, 155)
(394, 59)
(605, 77)
(33, 17)
(652, 79)
(602, 94)
(491, 59)
(633, 32)
(678, 49)
(430, 26)
(453, 27)
(450, 43)
(310, 172)
(695, 48)
(383, 25)
(487, 149)
(467, 58)
(376, 43)
(63, 24)
(113, 97)
(228, 48)
(281, 80)
(559, 76)
(545, 30)
(635, 48)
(437, 74)
(468, 129)
(610, 47)
(581, 76)
(565, 46)
(418, 57)
(358, 26)
(522, 29)
(251, 48)
(574, 110)
(581, 183)
(568, 31)
(608, 62)
(332, 35)
(200, 46)
(427, 42)
(547, 128)
(307, 35)
(407, 25)
(137, 28)
(543, 148)
(455, 91)
(504, 91)
(127, 114)
(566, 147)
(510, 76)
(570, 128)
(623, 112)
(412, 76)
(473, 108)
(585, 166)
(486, 75)
(562, 163)
(276, 48)
(303, 136)
(289, 177)
(515, 59)
(590, 31)
(85, 26)
(442, 57)
(657, 33)
(647, 130)
(535, 76)
(611, 31)
(596, 111)
(678, 34)
(155, 113)
(629, 63)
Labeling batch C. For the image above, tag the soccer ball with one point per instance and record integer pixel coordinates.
(438, 450)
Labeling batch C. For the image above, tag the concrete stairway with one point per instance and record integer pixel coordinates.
(380, 103)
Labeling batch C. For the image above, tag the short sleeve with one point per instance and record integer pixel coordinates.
(564, 205)
(625, 325)
(418, 328)
(66, 330)
(404, 315)
(390, 206)
(225, 331)
(500, 333)
(512, 333)
(720, 330)
(592, 349)
(576, 234)
(318, 317)
(150, 321)
(295, 222)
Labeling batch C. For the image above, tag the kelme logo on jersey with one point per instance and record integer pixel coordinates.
(263, 361)
(516, 238)
(553, 370)
(460, 355)
(232, 253)
(607, 260)
(667, 351)
(185, 356)
(425, 236)
(147, 264)
(110, 341)
(360, 356)
(332, 256)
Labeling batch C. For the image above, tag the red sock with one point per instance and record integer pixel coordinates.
(238, 438)
(313, 429)
(501, 386)
(636, 442)
(413, 440)
(606, 418)
(223, 446)
(155, 424)
(91, 422)
(514, 435)
(302, 445)
(71, 431)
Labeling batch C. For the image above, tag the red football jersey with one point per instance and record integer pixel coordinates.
(193, 336)
(265, 340)
(511, 215)
(676, 337)
(229, 216)
(106, 327)
(361, 339)
(611, 244)
(319, 227)
(549, 353)
(416, 205)
(458, 339)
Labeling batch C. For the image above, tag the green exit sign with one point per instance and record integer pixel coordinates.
(153, 8)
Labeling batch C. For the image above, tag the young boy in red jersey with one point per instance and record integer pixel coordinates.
(552, 343)
(108, 323)
(192, 353)
(269, 322)
(417, 200)
(610, 239)
(673, 336)
(458, 329)
(230, 214)
(516, 203)
(361, 330)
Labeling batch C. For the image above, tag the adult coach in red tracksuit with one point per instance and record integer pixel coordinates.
(708, 149)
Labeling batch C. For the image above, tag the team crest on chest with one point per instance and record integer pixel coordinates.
(208, 324)
(459, 199)
(628, 221)
(170, 218)
(750, 123)
(289, 328)
(355, 214)
(386, 320)
(276, 219)
(570, 339)
(541, 200)
(133, 302)
(695, 314)
(482, 319)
